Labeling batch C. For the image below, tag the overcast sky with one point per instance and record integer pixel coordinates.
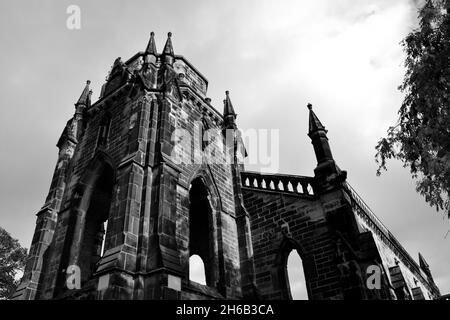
(274, 56)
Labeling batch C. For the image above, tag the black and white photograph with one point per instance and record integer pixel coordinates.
(243, 152)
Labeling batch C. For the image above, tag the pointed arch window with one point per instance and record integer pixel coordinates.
(201, 238)
(197, 269)
(290, 265)
(94, 244)
(296, 277)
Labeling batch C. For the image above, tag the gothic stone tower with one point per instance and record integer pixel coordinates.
(124, 211)
(138, 189)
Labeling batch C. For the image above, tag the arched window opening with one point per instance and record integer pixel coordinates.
(200, 225)
(296, 277)
(94, 236)
(197, 269)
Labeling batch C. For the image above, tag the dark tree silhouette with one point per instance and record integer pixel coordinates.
(12, 261)
(421, 138)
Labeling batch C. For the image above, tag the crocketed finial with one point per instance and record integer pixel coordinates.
(85, 98)
(151, 46)
(228, 106)
(168, 48)
(314, 122)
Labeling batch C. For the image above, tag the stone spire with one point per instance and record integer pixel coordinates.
(168, 55)
(229, 116)
(228, 109)
(319, 138)
(327, 173)
(76, 127)
(150, 52)
(424, 265)
(314, 122)
(85, 98)
(426, 269)
(151, 47)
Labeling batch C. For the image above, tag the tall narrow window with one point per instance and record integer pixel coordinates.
(103, 132)
(296, 277)
(200, 226)
(197, 269)
(94, 243)
(204, 138)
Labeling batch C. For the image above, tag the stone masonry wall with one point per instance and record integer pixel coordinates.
(391, 259)
(274, 218)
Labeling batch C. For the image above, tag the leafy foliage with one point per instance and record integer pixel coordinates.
(12, 260)
(421, 138)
